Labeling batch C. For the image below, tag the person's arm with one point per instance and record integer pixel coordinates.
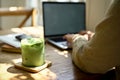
(100, 53)
(77, 42)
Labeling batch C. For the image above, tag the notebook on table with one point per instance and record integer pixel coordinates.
(60, 18)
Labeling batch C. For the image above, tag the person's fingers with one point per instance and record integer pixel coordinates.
(90, 34)
(68, 37)
(65, 36)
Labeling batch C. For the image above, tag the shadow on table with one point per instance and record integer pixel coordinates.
(45, 74)
(80, 75)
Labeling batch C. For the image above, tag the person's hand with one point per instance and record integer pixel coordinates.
(68, 37)
(87, 34)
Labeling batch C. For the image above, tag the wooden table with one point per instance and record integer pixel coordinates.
(62, 67)
(19, 11)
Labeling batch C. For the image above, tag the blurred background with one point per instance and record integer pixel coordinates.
(95, 11)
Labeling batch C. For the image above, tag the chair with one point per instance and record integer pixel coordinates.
(19, 11)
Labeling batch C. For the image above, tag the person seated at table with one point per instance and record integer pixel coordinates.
(98, 52)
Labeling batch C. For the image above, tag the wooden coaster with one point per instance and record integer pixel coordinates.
(19, 65)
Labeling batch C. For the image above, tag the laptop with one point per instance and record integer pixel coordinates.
(60, 18)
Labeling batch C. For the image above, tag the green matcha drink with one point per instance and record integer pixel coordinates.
(32, 52)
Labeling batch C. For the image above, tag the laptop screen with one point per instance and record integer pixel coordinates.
(60, 18)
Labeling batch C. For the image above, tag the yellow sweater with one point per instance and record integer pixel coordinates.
(102, 52)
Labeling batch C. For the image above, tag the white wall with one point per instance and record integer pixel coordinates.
(95, 12)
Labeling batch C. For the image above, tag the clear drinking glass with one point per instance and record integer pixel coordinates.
(33, 52)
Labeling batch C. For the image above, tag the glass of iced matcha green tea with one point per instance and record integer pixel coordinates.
(32, 52)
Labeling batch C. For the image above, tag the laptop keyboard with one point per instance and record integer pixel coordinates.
(58, 39)
(60, 42)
